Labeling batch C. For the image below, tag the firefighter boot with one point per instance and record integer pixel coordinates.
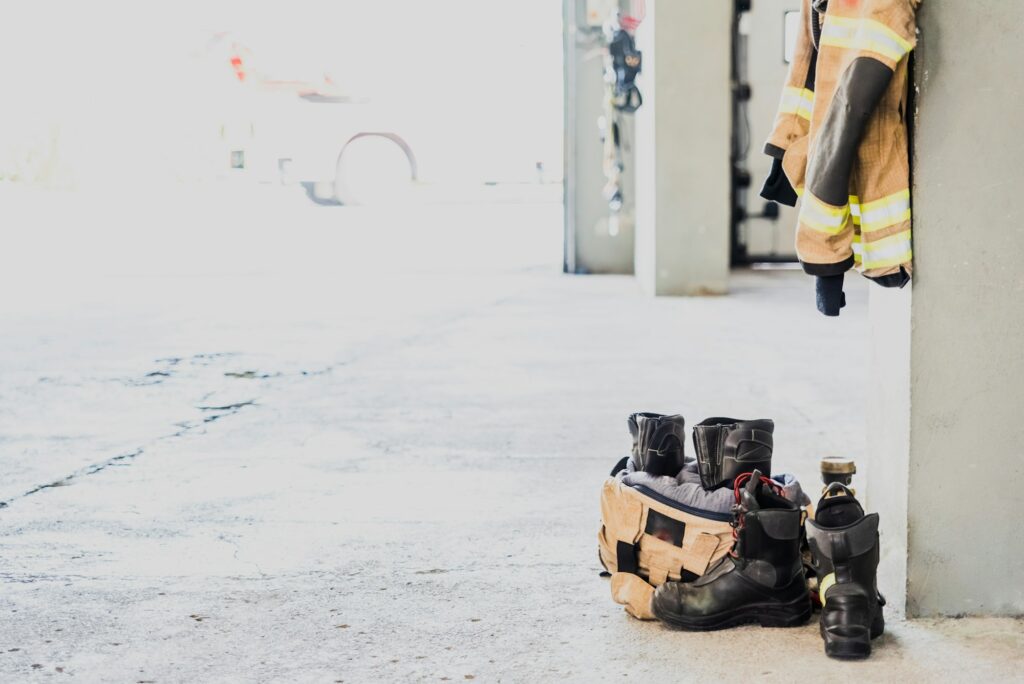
(760, 580)
(657, 443)
(844, 551)
(727, 447)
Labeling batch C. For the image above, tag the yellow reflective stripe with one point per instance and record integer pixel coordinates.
(858, 248)
(904, 258)
(864, 34)
(799, 101)
(855, 210)
(889, 251)
(885, 212)
(826, 583)
(823, 217)
(883, 243)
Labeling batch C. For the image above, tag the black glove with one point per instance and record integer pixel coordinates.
(830, 295)
(776, 186)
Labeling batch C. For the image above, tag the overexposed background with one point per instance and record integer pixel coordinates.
(128, 92)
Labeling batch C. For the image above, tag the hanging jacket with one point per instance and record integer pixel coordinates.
(840, 142)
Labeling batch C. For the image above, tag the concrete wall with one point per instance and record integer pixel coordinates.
(958, 468)
(682, 148)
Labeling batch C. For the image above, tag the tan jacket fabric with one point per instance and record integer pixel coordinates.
(644, 527)
(841, 133)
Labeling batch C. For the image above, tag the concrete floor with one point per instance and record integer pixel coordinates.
(246, 439)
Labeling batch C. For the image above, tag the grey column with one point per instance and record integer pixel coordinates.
(946, 438)
(682, 148)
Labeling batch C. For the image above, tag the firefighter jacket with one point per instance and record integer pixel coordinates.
(840, 139)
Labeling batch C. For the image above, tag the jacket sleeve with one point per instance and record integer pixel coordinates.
(861, 44)
(787, 144)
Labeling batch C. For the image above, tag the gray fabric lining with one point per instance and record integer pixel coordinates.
(686, 488)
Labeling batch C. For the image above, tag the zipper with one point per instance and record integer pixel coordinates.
(671, 503)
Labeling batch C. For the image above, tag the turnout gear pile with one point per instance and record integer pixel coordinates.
(840, 141)
(673, 552)
(653, 533)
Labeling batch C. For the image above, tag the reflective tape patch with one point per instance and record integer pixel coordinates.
(826, 583)
(823, 217)
(855, 209)
(799, 101)
(858, 249)
(885, 212)
(866, 35)
(888, 251)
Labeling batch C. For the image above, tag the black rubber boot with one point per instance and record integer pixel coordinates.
(727, 447)
(844, 552)
(762, 578)
(658, 443)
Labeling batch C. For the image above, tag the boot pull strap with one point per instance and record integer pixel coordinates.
(841, 557)
(837, 489)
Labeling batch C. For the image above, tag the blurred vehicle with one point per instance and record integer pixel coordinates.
(294, 125)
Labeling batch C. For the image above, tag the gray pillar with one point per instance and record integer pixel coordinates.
(591, 244)
(946, 467)
(683, 136)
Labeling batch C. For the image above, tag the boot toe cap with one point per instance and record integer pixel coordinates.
(667, 601)
(677, 600)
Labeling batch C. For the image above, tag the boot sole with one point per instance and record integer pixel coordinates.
(852, 648)
(792, 614)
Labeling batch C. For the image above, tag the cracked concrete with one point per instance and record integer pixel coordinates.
(414, 413)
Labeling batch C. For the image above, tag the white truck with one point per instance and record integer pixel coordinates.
(342, 149)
